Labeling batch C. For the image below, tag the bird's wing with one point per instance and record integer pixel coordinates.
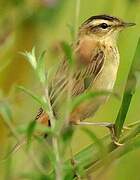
(84, 78)
(81, 79)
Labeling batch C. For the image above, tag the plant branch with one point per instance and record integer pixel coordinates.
(58, 164)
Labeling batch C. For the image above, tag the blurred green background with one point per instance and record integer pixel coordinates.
(44, 24)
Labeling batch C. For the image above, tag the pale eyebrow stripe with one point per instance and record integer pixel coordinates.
(98, 22)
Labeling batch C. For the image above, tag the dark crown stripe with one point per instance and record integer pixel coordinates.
(104, 17)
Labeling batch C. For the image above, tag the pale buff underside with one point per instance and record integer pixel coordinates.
(105, 79)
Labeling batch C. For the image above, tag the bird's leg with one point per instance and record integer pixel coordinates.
(109, 125)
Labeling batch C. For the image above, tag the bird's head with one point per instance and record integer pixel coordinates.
(103, 27)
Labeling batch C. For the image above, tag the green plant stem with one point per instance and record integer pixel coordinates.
(30, 153)
(115, 154)
(130, 89)
(90, 160)
(58, 164)
(130, 141)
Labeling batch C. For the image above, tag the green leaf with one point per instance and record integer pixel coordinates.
(129, 91)
(115, 154)
(96, 140)
(41, 67)
(68, 52)
(37, 98)
(6, 114)
(30, 131)
(38, 65)
(89, 158)
(5, 110)
(67, 134)
(71, 30)
(30, 56)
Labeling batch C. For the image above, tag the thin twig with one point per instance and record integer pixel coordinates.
(58, 164)
(32, 158)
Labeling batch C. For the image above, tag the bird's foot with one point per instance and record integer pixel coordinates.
(111, 128)
(109, 125)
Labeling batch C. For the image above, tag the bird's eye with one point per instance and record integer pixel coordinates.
(103, 25)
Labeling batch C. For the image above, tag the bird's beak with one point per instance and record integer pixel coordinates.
(127, 24)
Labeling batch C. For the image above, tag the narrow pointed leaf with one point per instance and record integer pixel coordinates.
(129, 91)
(68, 52)
(41, 67)
(30, 131)
(30, 56)
(71, 30)
(96, 140)
(37, 98)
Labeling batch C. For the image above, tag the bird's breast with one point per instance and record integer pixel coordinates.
(84, 51)
(106, 78)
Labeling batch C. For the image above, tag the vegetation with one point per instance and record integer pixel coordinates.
(24, 89)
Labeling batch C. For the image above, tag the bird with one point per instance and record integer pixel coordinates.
(96, 62)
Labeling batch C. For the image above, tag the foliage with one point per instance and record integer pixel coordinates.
(102, 151)
(50, 159)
